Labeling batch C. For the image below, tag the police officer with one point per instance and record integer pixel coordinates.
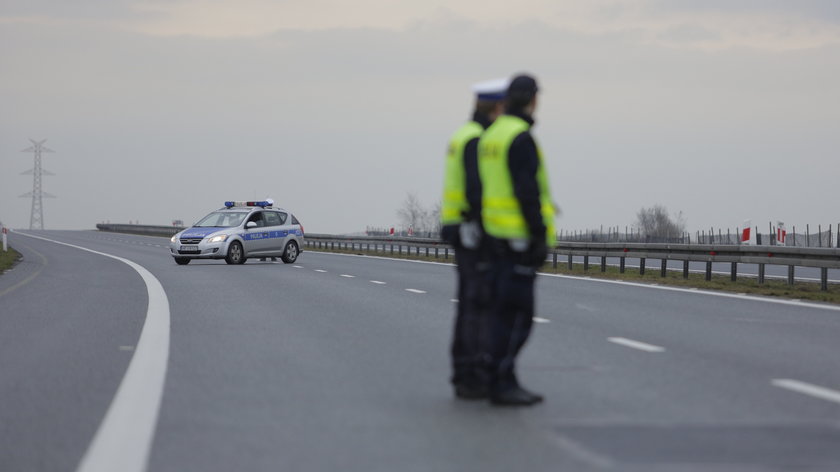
(460, 227)
(518, 217)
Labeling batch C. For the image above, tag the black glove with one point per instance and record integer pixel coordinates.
(537, 253)
(449, 234)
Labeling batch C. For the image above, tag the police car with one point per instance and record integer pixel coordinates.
(239, 231)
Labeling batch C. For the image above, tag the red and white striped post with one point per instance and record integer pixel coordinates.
(746, 234)
(781, 232)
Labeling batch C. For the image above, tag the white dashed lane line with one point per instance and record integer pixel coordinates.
(348, 276)
(808, 389)
(453, 300)
(636, 344)
(414, 290)
(298, 267)
(321, 271)
(377, 282)
(537, 319)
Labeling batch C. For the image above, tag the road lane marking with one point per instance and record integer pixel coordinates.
(698, 292)
(414, 290)
(348, 276)
(320, 270)
(808, 389)
(298, 267)
(636, 344)
(31, 276)
(124, 438)
(453, 300)
(537, 319)
(378, 282)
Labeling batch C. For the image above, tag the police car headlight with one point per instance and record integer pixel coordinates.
(174, 238)
(217, 239)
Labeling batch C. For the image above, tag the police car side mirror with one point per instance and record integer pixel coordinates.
(251, 224)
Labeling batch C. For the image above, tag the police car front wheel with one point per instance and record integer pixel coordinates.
(235, 254)
(182, 260)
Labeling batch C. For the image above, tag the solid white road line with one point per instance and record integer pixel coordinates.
(31, 276)
(124, 438)
(377, 282)
(700, 292)
(636, 344)
(808, 389)
(414, 290)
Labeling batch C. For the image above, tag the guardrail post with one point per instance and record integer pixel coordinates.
(708, 271)
(603, 263)
(437, 254)
(685, 269)
(663, 268)
(570, 261)
(585, 263)
(824, 279)
(417, 252)
(733, 275)
(446, 253)
(427, 251)
(554, 260)
(642, 266)
(791, 271)
(392, 249)
(761, 274)
(621, 264)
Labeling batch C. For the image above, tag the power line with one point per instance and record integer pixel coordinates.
(36, 219)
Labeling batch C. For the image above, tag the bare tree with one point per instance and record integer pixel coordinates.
(411, 212)
(654, 222)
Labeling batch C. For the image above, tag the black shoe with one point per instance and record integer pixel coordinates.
(470, 392)
(516, 396)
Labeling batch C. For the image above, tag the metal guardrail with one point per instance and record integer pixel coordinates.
(792, 257)
(145, 230)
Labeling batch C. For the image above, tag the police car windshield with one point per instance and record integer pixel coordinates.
(222, 219)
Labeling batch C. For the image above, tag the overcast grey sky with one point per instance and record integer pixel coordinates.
(157, 109)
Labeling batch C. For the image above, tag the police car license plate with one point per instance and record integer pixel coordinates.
(189, 248)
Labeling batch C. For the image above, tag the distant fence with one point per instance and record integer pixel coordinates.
(792, 257)
(822, 237)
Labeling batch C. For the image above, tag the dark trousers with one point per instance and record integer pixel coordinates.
(510, 314)
(469, 357)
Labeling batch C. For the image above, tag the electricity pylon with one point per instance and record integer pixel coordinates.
(36, 219)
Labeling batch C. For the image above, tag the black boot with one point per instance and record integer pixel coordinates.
(516, 396)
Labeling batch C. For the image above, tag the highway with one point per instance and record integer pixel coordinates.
(340, 362)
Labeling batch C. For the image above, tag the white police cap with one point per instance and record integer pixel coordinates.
(491, 90)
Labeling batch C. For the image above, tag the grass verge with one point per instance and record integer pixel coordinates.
(748, 285)
(8, 259)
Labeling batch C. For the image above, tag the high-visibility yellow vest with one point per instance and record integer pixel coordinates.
(501, 214)
(455, 203)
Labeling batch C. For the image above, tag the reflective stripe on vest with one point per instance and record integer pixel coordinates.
(454, 203)
(501, 214)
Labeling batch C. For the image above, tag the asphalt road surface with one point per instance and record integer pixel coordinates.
(340, 362)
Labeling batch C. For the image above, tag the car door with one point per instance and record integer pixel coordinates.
(257, 239)
(274, 226)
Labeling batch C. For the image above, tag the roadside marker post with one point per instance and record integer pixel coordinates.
(5, 243)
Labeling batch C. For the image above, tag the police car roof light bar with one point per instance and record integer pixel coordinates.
(262, 204)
